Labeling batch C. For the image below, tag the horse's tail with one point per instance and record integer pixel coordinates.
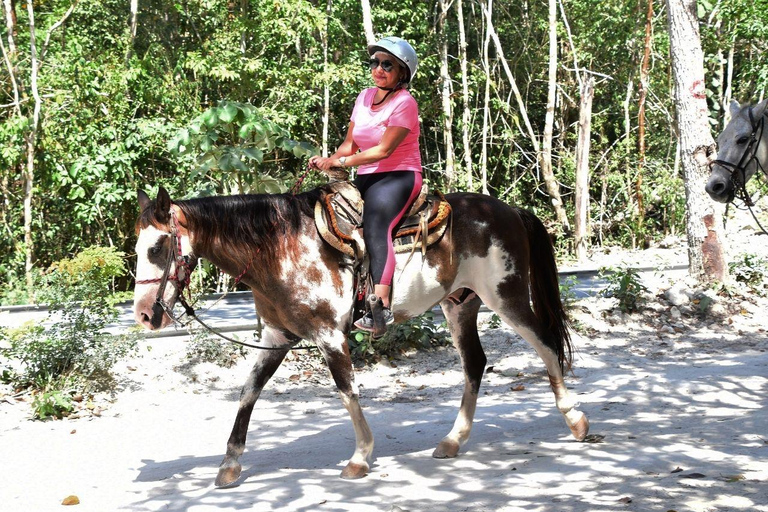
(545, 289)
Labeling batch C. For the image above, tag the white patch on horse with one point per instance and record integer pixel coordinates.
(145, 270)
(415, 286)
(324, 290)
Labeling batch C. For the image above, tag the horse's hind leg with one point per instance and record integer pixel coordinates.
(462, 321)
(267, 362)
(517, 313)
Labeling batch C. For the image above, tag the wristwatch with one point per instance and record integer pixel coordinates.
(343, 161)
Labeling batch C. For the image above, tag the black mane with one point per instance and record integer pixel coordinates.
(255, 220)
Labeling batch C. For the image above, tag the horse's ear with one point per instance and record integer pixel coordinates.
(144, 200)
(163, 206)
(759, 109)
(735, 108)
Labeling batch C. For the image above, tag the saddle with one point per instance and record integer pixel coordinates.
(339, 214)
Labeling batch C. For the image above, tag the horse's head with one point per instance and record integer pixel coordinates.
(164, 259)
(740, 150)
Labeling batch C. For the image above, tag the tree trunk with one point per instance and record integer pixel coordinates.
(132, 26)
(30, 138)
(728, 94)
(5, 174)
(553, 187)
(486, 100)
(31, 143)
(466, 116)
(445, 95)
(549, 118)
(706, 261)
(581, 221)
(370, 38)
(326, 85)
(643, 92)
(9, 6)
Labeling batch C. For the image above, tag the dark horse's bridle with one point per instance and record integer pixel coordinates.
(738, 171)
(181, 278)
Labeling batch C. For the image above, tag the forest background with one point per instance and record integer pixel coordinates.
(100, 98)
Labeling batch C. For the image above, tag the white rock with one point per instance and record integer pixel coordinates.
(679, 294)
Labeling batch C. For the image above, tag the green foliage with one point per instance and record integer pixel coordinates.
(567, 293)
(494, 322)
(53, 403)
(233, 138)
(626, 286)
(111, 104)
(750, 270)
(72, 346)
(54, 398)
(417, 332)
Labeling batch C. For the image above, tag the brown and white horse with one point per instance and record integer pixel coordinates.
(303, 290)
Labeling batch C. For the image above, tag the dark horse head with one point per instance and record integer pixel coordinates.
(742, 149)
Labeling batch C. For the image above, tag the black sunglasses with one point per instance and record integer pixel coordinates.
(386, 65)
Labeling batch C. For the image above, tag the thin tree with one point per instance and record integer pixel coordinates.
(326, 85)
(643, 94)
(553, 187)
(133, 24)
(706, 261)
(466, 116)
(9, 6)
(486, 99)
(31, 136)
(581, 195)
(370, 38)
(445, 96)
(549, 117)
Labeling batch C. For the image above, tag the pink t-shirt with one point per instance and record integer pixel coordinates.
(401, 110)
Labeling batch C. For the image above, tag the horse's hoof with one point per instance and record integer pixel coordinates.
(228, 474)
(580, 429)
(447, 449)
(354, 471)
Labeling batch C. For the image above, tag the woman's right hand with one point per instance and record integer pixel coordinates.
(324, 164)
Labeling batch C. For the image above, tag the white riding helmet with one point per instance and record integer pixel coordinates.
(400, 48)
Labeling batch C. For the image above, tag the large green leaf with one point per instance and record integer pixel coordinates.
(228, 113)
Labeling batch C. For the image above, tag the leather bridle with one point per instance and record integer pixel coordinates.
(181, 277)
(738, 171)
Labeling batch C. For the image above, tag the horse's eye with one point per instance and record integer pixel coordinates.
(742, 140)
(156, 249)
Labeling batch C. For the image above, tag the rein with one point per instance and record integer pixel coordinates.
(181, 278)
(738, 171)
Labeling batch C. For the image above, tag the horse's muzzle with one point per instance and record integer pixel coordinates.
(150, 314)
(720, 185)
(720, 189)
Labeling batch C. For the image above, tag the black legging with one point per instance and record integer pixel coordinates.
(387, 196)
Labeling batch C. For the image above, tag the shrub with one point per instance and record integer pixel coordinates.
(417, 332)
(625, 285)
(72, 347)
(567, 291)
(750, 270)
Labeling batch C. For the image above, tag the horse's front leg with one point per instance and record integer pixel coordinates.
(336, 353)
(267, 362)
